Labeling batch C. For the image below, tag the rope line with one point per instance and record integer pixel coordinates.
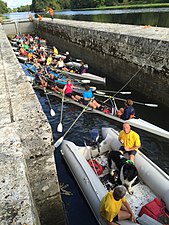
(158, 44)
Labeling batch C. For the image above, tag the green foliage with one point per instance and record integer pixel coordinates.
(23, 8)
(44, 5)
(3, 7)
(80, 4)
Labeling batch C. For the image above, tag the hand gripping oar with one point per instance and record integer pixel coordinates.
(52, 112)
(59, 141)
(121, 99)
(60, 126)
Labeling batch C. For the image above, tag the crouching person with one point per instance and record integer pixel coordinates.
(114, 207)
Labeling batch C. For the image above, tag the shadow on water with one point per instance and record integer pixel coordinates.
(76, 208)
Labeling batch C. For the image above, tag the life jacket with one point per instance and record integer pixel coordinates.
(154, 209)
(97, 168)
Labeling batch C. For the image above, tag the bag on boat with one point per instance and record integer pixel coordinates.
(154, 209)
(97, 168)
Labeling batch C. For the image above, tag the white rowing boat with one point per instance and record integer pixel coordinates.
(134, 122)
(153, 181)
(92, 77)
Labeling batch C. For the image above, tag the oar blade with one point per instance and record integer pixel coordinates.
(125, 92)
(85, 81)
(151, 105)
(52, 112)
(60, 128)
(59, 142)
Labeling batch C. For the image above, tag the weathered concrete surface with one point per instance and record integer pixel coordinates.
(29, 187)
(15, 27)
(116, 50)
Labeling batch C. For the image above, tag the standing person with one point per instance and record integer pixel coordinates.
(130, 141)
(50, 10)
(114, 206)
(68, 91)
(87, 97)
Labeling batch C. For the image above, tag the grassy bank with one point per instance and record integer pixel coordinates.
(131, 6)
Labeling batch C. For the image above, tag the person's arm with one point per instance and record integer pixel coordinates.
(132, 218)
(136, 145)
(63, 90)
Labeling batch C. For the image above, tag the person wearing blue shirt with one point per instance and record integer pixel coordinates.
(129, 110)
(87, 98)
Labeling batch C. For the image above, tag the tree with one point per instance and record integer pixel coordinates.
(3, 7)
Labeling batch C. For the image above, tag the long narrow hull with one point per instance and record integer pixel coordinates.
(138, 123)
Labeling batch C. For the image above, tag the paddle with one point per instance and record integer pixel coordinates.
(121, 99)
(52, 112)
(103, 92)
(60, 126)
(59, 141)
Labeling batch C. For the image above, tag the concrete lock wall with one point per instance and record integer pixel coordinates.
(118, 51)
(29, 186)
(16, 27)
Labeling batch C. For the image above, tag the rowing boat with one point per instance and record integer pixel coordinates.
(153, 181)
(92, 77)
(134, 122)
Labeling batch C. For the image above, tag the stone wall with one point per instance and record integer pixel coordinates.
(29, 187)
(16, 27)
(115, 50)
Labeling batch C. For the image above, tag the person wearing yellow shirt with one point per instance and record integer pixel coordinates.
(130, 141)
(49, 60)
(114, 206)
(55, 51)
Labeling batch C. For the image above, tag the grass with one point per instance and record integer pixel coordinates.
(157, 5)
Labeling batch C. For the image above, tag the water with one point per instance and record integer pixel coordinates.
(76, 207)
(153, 16)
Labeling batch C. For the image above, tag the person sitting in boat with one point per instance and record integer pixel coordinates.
(130, 141)
(22, 51)
(55, 51)
(128, 112)
(68, 91)
(82, 68)
(61, 65)
(40, 79)
(67, 58)
(114, 206)
(49, 60)
(52, 85)
(88, 98)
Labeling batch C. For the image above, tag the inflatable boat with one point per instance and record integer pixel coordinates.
(152, 180)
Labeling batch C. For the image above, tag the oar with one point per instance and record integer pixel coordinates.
(59, 141)
(60, 126)
(103, 92)
(52, 112)
(121, 99)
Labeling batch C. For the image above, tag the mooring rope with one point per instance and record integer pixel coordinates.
(158, 44)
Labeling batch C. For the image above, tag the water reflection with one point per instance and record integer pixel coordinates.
(153, 16)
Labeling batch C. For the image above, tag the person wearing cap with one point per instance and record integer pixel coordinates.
(67, 58)
(114, 206)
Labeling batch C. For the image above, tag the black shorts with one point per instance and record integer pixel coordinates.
(85, 102)
(70, 95)
(116, 218)
(133, 152)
